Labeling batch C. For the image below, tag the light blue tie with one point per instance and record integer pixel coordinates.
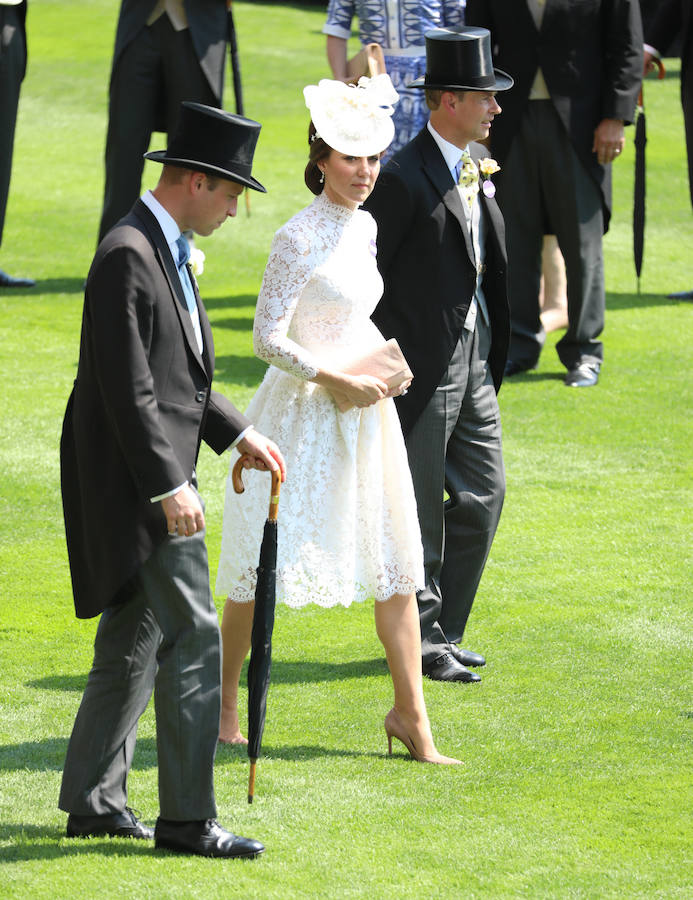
(183, 257)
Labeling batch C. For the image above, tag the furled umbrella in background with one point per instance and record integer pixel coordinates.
(263, 624)
(639, 181)
(236, 74)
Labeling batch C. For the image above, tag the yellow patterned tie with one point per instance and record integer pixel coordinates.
(469, 178)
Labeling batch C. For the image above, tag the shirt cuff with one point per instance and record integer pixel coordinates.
(652, 51)
(169, 493)
(241, 436)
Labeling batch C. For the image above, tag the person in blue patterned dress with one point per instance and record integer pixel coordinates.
(399, 27)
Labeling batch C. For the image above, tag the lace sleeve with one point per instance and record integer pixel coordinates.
(288, 270)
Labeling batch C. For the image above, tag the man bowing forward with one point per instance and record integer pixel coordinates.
(142, 402)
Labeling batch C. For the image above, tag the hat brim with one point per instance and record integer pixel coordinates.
(376, 141)
(161, 156)
(503, 82)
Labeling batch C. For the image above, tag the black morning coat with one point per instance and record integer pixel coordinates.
(141, 404)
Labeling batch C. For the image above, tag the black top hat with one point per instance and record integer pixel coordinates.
(212, 141)
(459, 59)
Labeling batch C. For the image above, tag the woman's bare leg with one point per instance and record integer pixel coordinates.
(397, 626)
(553, 299)
(236, 626)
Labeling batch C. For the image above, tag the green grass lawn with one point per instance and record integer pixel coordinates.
(577, 743)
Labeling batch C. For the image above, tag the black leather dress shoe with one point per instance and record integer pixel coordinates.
(467, 657)
(124, 824)
(205, 838)
(681, 295)
(446, 668)
(585, 374)
(7, 280)
(516, 366)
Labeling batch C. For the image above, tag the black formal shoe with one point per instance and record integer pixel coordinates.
(681, 295)
(467, 657)
(516, 366)
(446, 668)
(10, 281)
(124, 824)
(584, 374)
(205, 838)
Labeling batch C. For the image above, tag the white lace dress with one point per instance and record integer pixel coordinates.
(347, 525)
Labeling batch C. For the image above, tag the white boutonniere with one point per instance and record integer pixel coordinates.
(197, 261)
(488, 167)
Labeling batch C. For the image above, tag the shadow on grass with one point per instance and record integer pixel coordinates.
(59, 683)
(283, 672)
(49, 286)
(51, 843)
(238, 323)
(236, 754)
(303, 671)
(639, 301)
(48, 755)
(240, 301)
(245, 370)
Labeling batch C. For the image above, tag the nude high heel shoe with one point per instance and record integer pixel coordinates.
(395, 728)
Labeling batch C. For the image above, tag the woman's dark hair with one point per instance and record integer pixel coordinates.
(318, 150)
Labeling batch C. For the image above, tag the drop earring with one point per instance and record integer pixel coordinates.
(322, 177)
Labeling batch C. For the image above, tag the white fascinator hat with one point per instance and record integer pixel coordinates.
(355, 119)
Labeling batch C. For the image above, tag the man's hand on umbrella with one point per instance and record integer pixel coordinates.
(652, 62)
(261, 453)
(609, 140)
(183, 511)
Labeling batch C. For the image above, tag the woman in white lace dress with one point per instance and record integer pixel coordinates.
(348, 528)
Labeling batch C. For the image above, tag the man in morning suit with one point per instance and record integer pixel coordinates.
(142, 402)
(442, 257)
(12, 71)
(674, 18)
(577, 70)
(166, 51)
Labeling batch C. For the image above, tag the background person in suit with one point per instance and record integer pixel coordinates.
(166, 51)
(673, 19)
(12, 71)
(398, 26)
(577, 70)
(442, 257)
(141, 404)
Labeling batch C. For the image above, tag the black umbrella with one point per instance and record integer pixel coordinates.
(639, 181)
(263, 623)
(236, 73)
(639, 189)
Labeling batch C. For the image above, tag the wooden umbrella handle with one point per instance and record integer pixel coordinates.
(251, 780)
(239, 487)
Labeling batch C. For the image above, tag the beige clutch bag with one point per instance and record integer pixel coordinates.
(369, 61)
(386, 362)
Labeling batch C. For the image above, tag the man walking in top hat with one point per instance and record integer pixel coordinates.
(442, 256)
(141, 404)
